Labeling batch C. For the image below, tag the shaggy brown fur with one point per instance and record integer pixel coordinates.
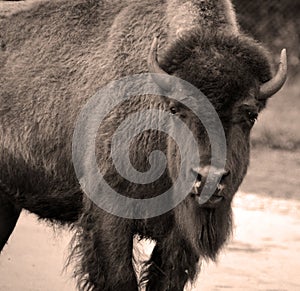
(53, 58)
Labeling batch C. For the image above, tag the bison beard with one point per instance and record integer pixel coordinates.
(197, 234)
(107, 244)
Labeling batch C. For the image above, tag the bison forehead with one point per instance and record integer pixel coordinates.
(223, 67)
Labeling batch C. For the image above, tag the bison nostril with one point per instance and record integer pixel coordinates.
(225, 174)
(199, 177)
(196, 172)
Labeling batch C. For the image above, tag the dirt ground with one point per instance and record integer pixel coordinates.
(264, 253)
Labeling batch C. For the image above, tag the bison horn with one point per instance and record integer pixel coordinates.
(274, 85)
(154, 68)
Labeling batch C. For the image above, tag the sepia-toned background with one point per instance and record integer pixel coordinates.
(264, 253)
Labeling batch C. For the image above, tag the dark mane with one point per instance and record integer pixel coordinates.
(224, 62)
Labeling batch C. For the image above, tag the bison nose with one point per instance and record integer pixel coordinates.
(201, 176)
(202, 173)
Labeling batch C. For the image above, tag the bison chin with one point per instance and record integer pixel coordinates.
(197, 233)
(205, 229)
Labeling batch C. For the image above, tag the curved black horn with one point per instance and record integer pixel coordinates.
(154, 67)
(275, 84)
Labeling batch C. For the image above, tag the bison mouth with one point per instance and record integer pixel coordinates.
(215, 199)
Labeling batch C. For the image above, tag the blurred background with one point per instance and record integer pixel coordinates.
(264, 253)
(276, 23)
(276, 135)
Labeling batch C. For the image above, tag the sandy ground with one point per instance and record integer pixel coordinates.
(264, 254)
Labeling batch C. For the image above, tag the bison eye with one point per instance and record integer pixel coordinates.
(252, 116)
(173, 110)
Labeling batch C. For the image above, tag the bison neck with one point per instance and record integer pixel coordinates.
(210, 15)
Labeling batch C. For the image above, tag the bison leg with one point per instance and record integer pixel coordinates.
(171, 265)
(106, 255)
(9, 215)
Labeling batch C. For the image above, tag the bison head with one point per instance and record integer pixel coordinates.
(235, 75)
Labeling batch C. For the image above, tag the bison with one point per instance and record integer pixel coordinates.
(57, 55)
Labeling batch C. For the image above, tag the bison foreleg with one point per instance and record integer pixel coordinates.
(9, 214)
(105, 251)
(172, 264)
